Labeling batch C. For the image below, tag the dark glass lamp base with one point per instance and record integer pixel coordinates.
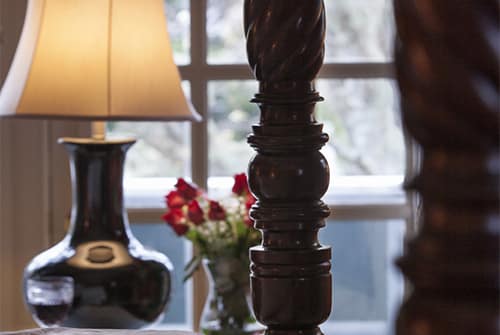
(117, 282)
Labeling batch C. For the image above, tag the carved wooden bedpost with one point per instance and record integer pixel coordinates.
(448, 70)
(291, 280)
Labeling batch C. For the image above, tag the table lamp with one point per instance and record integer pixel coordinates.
(97, 60)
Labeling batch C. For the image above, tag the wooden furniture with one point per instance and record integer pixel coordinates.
(448, 71)
(448, 67)
(291, 280)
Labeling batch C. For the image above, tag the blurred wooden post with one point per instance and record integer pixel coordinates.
(447, 59)
(291, 280)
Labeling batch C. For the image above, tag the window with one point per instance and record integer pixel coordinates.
(366, 151)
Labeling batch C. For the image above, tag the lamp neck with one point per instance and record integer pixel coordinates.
(97, 212)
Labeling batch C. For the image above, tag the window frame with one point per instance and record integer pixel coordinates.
(387, 204)
(52, 169)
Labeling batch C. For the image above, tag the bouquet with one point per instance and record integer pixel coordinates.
(217, 228)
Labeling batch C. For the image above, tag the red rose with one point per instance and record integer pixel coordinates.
(248, 221)
(250, 201)
(180, 229)
(240, 184)
(248, 204)
(195, 213)
(174, 216)
(175, 219)
(216, 212)
(186, 190)
(175, 200)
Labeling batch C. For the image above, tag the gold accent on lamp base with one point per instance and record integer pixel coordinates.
(99, 130)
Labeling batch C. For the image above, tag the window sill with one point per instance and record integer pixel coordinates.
(350, 198)
(351, 190)
(356, 328)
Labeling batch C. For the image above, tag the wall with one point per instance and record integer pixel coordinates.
(34, 183)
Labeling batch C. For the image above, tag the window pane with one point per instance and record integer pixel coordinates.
(367, 287)
(160, 238)
(229, 123)
(226, 39)
(179, 20)
(359, 30)
(162, 149)
(364, 127)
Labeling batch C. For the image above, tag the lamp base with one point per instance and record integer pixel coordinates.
(117, 282)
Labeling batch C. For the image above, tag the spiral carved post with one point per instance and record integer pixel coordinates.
(448, 70)
(290, 271)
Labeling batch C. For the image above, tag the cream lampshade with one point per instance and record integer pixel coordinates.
(95, 59)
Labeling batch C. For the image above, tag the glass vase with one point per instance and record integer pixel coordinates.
(227, 310)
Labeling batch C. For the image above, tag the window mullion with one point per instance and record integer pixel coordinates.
(218, 72)
(199, 134)
(357, 71)
(328, 71)
(199, 131)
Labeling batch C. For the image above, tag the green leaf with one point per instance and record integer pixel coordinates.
(241, 229)
(192, 235)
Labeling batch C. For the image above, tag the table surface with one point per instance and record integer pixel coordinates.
(67, 331)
